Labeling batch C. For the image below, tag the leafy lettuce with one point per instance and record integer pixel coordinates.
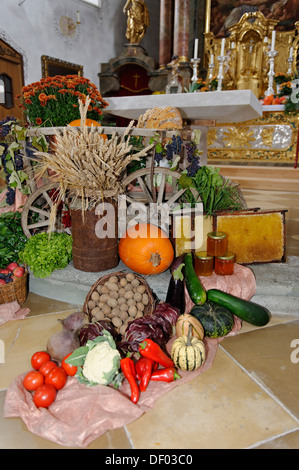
(45, 253)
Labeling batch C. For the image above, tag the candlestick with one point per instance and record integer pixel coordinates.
(271, 54)
(212, 59)
(195, 49)
(195, 63)
(78, 17)
(273, 40)
(291, 52)
(222, 46)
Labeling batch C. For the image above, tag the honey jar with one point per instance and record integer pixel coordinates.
(224, 265)
(203, 264)
(217, 243)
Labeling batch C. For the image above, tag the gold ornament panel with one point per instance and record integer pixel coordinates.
(270, 138)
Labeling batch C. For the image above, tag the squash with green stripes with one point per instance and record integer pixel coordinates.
(188, 352)
(182, 326)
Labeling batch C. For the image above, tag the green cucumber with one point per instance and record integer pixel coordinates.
(195, 289)
(245, 309)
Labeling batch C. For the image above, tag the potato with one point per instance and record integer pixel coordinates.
(113, 294)
(124, 307)
(100, 315)
(121, 300)
(123, 282)
(95, 296)
(132, 311)
(115, 312)
(123, 315)
(95, 311)
(135, 283)
(141, 289)
(121, 292)
(129, 294)
(130, 277)
(139, 314)
(145, 299)
(104, 298)
(106, 309)
(140, 306)
(128, 287)
(137, 296)
(113, 279)
(100, 304)
(131, 302)
(91, 304)
(112, 302)
(123, 328)
(103, 289)
(117, 322)
(111, 285)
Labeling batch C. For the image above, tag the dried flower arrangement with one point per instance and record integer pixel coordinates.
(88, 165)
(53, 101)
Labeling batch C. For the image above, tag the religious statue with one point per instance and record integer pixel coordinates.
(138, 20)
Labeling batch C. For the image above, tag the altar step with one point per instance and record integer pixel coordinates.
(277, 285)
(263, 177)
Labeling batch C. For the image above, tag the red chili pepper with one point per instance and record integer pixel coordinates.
(148, 348)
(144, 367)
(128, 369)
(165, 375)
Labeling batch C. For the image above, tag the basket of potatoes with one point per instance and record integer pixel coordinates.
(119, 298)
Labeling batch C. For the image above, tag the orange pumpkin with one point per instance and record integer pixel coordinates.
(146, 249)
(88, 122)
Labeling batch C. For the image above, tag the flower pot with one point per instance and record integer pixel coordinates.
(95, 239)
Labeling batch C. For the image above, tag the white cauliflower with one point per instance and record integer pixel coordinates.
(101, 364)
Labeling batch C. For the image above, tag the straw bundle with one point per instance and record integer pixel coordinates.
(86, 164)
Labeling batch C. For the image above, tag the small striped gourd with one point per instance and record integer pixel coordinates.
(182, 326)
(188, 352)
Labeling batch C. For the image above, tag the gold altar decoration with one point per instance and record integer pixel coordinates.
(138, 20)
(247, 63)
(271, 138)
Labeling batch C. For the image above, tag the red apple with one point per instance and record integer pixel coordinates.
(2, 281)
(4, 271)
(12, 266)
(19, 271)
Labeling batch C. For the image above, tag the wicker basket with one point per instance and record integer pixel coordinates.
(16, 290)
(148, 309)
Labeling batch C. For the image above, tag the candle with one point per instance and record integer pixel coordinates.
(212, 59)
(273, 40)
(266, 40)
(291, 52)
(222, 46)
(196, 49)
(78, 17)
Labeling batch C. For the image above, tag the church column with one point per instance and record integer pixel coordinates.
(181, 29)
(166, 32)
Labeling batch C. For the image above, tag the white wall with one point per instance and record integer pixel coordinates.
(32, 28)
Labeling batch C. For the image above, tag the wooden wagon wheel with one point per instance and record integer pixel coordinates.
(37, 209)
(156, 188)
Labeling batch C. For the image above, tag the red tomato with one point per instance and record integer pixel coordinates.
(69, 369)
(44, 396)
(33, 380)
(39, 358)
(56, 377)
(46, 366)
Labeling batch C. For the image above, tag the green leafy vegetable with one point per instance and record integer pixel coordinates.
(12, 238)
(44, 254)
(215, 193)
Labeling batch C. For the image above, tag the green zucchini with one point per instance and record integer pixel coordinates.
(195, 289)
(245, 309)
